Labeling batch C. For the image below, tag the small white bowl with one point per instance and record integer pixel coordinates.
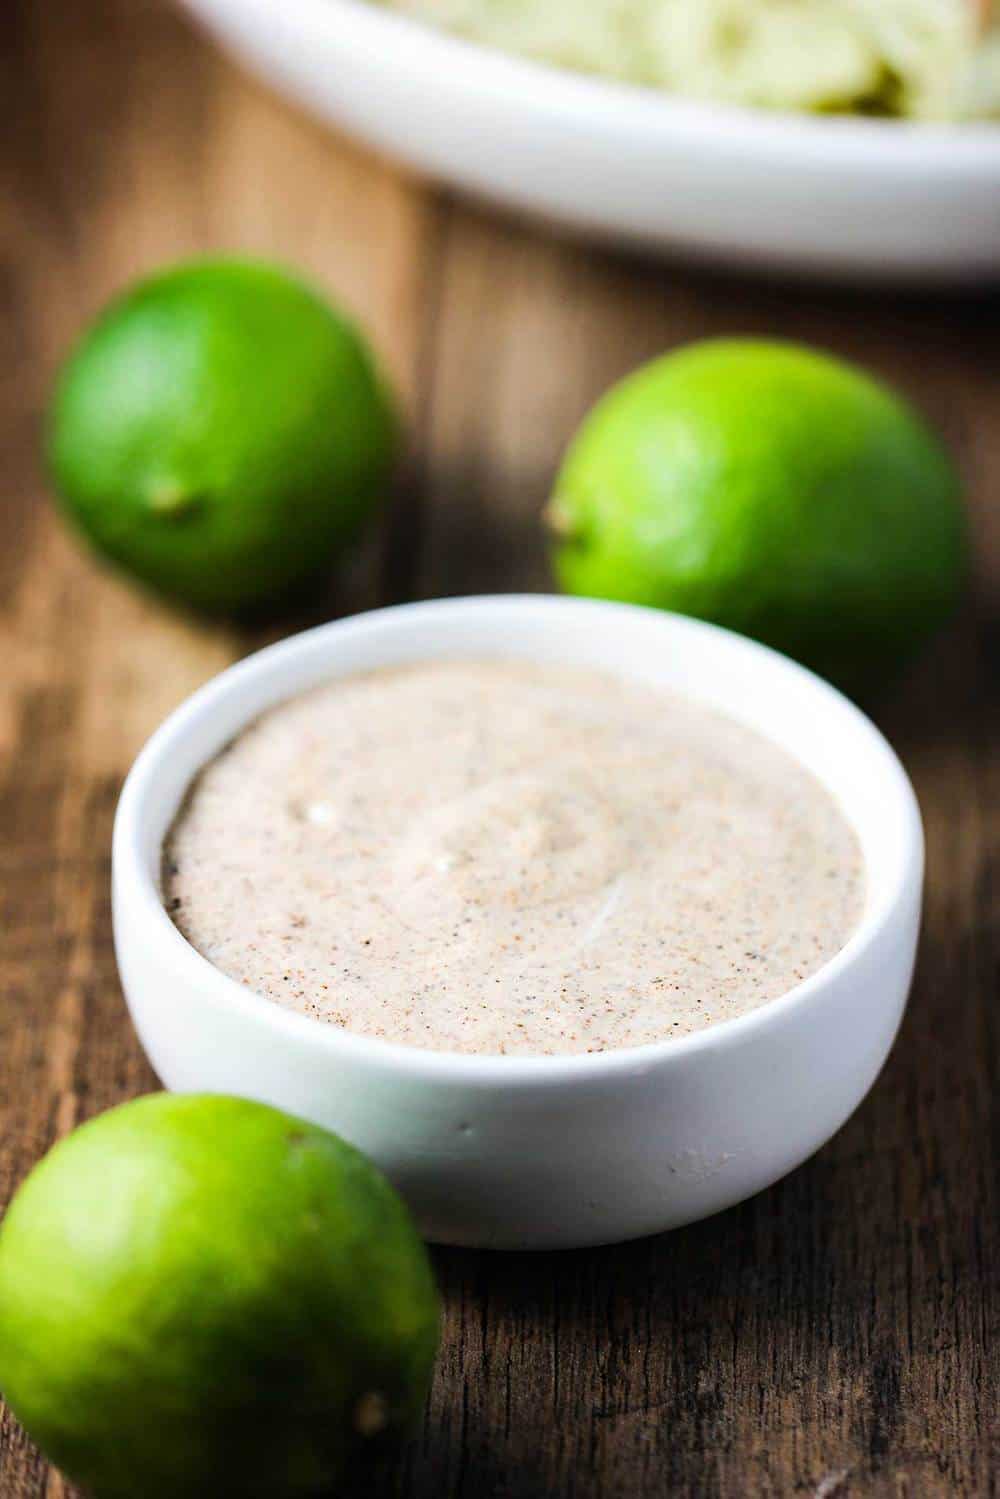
(875, 198)
(543, 1152)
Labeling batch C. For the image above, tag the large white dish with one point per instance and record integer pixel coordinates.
(543, 1152)
(840, 196)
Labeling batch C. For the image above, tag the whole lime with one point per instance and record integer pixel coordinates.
(772, 489)
(203, 1296)
(220, 433)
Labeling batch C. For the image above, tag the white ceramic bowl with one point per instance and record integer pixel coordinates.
(834, 195)
(543, 1152)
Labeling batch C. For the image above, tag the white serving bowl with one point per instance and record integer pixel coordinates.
(543, 1152)
(834, 195)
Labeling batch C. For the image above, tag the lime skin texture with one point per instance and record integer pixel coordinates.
(203, 1296)
(771, 489)
(221, 433)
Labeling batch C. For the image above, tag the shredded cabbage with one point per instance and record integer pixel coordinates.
(927, 59)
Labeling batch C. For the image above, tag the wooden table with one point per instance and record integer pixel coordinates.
(838, 1334)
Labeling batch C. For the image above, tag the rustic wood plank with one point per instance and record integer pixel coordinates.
(838, 1334)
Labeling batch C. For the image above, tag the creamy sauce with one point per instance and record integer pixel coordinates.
(501, 857)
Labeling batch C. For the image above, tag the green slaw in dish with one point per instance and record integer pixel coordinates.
(916, 59)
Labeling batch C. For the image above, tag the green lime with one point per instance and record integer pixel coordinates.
(771, 489)
(220, 433)
(204, 1296)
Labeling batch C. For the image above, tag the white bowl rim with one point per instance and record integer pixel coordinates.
(864, 143)
(129, 865)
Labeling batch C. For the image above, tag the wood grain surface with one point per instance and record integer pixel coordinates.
(837, 1335)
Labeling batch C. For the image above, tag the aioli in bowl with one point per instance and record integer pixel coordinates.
(525, 1151)
(502, 857)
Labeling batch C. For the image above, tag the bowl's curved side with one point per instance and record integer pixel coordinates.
(549, 1163)
(839, 196)
(541, 1152)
